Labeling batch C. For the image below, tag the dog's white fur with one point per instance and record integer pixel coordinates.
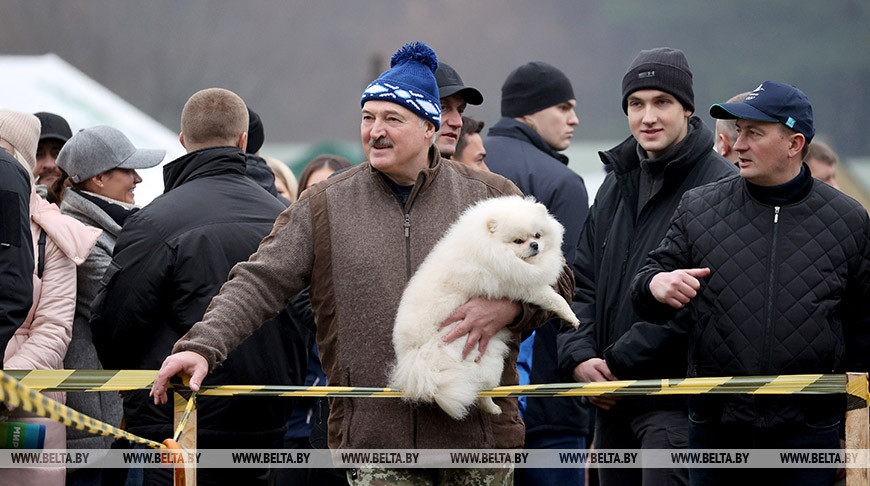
(488, 252)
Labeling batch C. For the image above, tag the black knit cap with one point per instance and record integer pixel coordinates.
(256, 135)
(532, 87)
(664, 69)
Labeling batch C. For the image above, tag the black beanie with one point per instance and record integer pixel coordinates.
(256, 135)
(532, 87)
(664, 69)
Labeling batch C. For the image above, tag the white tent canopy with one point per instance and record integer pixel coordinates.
(32, 84)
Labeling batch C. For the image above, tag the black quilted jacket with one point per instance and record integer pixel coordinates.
(789, 293)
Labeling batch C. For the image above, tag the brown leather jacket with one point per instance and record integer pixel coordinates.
(350, 239)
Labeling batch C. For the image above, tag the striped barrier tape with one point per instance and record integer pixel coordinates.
(191, 403)
(104, 380)
(20, 395)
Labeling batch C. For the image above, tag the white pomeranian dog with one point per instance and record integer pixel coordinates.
(501, 248)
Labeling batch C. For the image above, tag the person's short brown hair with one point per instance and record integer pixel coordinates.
(214, 116)
(469, 126)
(822, 152)
(729, 127)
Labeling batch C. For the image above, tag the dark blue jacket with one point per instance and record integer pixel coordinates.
(515, 151)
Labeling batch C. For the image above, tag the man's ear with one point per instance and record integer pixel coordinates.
(181, 139)
(242, 142)
(797, 142)
(430, 129)
(723, 145)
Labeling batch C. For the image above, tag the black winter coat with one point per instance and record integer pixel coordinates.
(789, 293)
(515, 151)
(16, 248)
(614, 245)
(170, 259)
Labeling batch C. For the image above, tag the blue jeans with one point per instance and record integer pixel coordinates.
(706, 433)
(546, 477)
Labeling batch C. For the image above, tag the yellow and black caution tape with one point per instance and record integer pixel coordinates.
(191, 403)
(84, 380)
(101, 380)
(857, 393)
(19, 395)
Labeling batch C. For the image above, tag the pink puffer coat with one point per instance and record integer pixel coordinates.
(41, 342)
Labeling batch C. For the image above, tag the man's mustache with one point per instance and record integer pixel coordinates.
(381, 142)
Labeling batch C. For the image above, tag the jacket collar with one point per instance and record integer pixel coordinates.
(624, 157)
(203, 163)
(77, 205)
(510, 128)
(424, 177)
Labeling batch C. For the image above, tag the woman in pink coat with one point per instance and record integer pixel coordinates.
(41, 342)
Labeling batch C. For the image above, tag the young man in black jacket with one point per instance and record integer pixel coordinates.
(670, 151)
(773, 268)
(170, 259)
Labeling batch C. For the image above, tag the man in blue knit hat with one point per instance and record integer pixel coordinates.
(356, 238)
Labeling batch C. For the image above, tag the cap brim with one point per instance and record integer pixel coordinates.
(731, 111)
(53, 136)
(469, 94)
(143, 159)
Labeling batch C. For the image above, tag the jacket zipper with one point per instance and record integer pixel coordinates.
(768, 331)
(407, 226)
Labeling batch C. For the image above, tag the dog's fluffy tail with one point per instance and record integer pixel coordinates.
(416, 374)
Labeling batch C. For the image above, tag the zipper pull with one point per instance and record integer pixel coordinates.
(775, 214)
(407, 225)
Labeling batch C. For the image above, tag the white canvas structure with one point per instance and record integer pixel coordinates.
(48, 83)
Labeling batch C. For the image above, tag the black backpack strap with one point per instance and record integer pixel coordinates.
(40, 265)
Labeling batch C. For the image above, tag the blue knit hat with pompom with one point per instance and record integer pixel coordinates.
(410, 82)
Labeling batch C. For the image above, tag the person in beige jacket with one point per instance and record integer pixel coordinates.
(356, 239)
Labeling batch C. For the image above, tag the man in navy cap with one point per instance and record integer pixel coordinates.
(773, 269)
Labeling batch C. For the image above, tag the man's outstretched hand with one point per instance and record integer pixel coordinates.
(187, 362)
(677, 288)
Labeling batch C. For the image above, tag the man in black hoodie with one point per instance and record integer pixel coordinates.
(669, 152)
(170, 259)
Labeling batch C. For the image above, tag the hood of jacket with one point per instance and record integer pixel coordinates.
(508, 127)
(624, 157)
(201, 163)
(73, 238)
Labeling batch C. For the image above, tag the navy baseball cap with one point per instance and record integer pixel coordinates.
(772, 102)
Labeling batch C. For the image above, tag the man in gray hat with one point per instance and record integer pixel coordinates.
(53, 135)
(455, 96)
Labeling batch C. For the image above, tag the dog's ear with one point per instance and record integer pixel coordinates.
(492, 224)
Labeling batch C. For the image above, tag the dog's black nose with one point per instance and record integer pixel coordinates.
(534, 245)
